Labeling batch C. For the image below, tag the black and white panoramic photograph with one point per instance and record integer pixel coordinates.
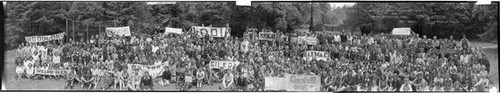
(278, 46)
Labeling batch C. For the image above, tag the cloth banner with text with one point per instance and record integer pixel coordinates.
(293, 83)
(45, 38)
(42, 71)
(310, 40)
(267, 36)
(223, 64)
(153, 70)
(305, 40)
(212, 31)
(120, 31)
(169, 30)
(318, 55)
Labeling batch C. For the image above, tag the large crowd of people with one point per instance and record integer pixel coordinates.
(356, 62)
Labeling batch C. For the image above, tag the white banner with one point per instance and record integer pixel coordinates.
(121, 31)
(153, 70)
(305, 40)
(212, 31)
(169, 30)
(223, 64)
(267, 36)
(318, 55)
(42, 71)
(293, 83)
(45, 38)
(310, 40)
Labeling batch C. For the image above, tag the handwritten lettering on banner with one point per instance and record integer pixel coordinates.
(318, 55)
(41, 71)
(120, 31)
(293, 83)
(212, 31)
(267, 36)
(45, 38)
(223, 64)
(309, 40)
(153, 70)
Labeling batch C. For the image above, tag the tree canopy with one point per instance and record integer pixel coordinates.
(442, 19)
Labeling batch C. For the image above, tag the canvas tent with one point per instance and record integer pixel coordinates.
(401, 31)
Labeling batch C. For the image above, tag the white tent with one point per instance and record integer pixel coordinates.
(401, 31)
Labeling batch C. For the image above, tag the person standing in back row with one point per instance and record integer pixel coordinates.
(464, 43)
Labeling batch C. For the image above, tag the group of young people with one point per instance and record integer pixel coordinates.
(355, 62)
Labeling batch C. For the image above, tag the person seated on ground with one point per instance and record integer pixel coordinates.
(95, 74)
(147, 82)
(107, 80)
(124, 79)
(132, 83)
(200, 75)
(70, 77)
(227, 80)
(165, 77)
(406, 86)
(87, 80)
(188, 79)
(20, 69)
(117, 77)
(483, 82)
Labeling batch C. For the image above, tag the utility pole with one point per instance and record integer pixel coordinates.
(311, 23)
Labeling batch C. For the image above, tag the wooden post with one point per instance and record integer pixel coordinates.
(87, 36)
(66, 31)
(73, 32)
(99, 29)
(228, 29)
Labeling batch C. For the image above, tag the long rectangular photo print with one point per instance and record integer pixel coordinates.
(266, 47)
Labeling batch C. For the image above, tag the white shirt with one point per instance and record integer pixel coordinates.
(374, 88)
(426, 88)
(19, 69)
(154, 48)
(30, 71)
(407, 86)
(336, 38)
(371, 41)
(56, 59)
